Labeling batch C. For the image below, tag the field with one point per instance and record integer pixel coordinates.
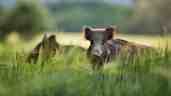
(70, 74)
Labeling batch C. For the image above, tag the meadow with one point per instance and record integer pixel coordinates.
(70, 74)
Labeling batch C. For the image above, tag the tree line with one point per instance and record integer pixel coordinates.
(29, 17)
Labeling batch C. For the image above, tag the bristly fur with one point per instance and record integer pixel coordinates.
(48, 47)
(111, 47)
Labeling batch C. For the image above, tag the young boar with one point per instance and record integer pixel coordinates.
(47, 48)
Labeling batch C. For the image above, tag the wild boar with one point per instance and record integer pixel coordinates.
(103, 48)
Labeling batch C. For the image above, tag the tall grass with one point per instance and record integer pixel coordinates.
(70, 74)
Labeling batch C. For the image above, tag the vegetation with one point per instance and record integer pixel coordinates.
(70, 74)
(157, 21)
(27, 18)
(70, 17)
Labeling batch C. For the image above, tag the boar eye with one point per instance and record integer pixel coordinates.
(103, 41)
(110, 36)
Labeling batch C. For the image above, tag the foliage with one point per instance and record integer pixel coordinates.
(70, 74)
(31, 16)
(71, 16)
(27, 18)
(151, 16)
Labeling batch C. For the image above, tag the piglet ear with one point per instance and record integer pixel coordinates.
(44, 41)
(87, 32)
(45, 37)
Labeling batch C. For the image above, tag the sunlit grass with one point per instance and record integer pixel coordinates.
(79, 40)
(70, 73)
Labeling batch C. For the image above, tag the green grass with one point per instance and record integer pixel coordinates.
(70, 74)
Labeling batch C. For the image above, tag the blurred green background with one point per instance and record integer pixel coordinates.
(29, 17)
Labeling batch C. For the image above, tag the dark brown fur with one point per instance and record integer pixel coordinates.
(48, 46)
(108, 48)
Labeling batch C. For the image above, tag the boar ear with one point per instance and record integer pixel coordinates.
(87, 32)
(53, 36)
(110, 33)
